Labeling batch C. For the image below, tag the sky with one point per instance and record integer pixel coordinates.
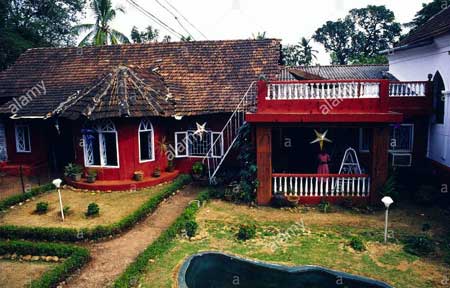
(240, 19)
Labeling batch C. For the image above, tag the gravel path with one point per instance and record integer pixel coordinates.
(110, 258)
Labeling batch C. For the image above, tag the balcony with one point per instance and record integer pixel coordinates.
(340, 101)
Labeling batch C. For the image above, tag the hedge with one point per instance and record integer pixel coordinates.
(161, 245)
(76, 258)
(100, 231)
(13, 200)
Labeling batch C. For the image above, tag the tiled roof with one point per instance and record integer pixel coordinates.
(340, 72)
(203, 77)
(437, 25)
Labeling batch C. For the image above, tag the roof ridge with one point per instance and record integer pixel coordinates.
(337, 65)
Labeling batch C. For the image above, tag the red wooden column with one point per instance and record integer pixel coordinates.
(264, 164)
(379, 161)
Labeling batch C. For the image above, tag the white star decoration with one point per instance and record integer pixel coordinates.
(321, 137)
(201, 129)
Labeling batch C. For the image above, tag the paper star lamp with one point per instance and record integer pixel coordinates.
(321, 138)
(201, 129)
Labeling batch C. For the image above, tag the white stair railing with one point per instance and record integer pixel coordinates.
(230, 132)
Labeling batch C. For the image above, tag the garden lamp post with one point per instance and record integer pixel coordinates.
(387, 201)
(57, 183)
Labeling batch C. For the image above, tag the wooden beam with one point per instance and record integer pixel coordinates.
(379, 161)
(264, 163)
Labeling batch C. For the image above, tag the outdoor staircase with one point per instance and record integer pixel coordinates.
(230, 132)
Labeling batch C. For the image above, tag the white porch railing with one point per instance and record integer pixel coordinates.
(322, 90)
(407, 89)
(315, 185)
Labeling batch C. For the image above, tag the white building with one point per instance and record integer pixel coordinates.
(424, 52)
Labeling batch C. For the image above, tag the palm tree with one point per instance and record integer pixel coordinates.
(307, 53)
(101, 32)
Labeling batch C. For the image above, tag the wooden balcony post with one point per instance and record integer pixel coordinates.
(264, 163)
(379, 161)
(384, 95)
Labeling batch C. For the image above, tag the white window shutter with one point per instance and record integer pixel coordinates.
(181, 144)
(217, 144)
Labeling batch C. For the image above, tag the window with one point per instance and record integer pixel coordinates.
(146, 142)
(100, 145)
(401, 138)
(190, 145)
(23, 142)
(3, 151)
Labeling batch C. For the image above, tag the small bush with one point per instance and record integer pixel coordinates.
(324, 206)
(191, 228)
(66, 210)
(41, 207)
(389, 188)
(246, 232)
(420, 245)
(357, 244)
(197, 168)
(92, 210)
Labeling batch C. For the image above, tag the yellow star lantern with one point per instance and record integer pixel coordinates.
(321, 138)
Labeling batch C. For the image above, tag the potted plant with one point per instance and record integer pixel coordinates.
(91, 176)
(73, 171)
(170, 166)
(157, 172)
(138, 175)
(197, 170)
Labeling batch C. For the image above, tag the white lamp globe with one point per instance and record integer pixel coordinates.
(57, 182)
(387, 201)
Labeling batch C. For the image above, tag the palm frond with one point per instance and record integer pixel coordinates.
(87, 40)
(81, 28)
(119, 36)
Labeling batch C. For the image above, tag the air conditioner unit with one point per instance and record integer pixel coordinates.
(401, 159)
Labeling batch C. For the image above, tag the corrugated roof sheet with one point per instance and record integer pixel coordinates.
(341, 72)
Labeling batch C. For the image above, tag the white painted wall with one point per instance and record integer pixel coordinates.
(415, 64)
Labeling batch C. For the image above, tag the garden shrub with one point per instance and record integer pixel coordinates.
(160, 245)
(389, 188)
(41, 207)
(191, 228)
(246, 232)
(92, 210)
(66, 210)
(76, 258)
(420, 245)
(357, 244)
(98, 232)
(324, 206)
(248, 181)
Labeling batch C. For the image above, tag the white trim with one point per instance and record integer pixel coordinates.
(394, 155)
(221, 144)
(146, 129)
(18, 149)
(186, 135)
(101, 128)
(3, 144)
(186, 150)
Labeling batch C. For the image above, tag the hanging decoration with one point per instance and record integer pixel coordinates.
(321, 138)
(201, 129)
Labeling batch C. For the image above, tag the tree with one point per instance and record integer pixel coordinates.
(186, 38)
(28, 23)
(299, 54)
(149, 35)
(428, 10)
(259, 36)
(101, 32)
(336, 37)
(362, 34)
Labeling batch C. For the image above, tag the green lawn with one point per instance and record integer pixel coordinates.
(314, 238)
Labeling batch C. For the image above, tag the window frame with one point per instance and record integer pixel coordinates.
(16, 127)
(4, 144)
(100, 129)
(390, 150)
(148, 128)
(187, 154)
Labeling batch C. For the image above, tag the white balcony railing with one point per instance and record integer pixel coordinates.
(314, 185)
(407, 89)
(322, 90)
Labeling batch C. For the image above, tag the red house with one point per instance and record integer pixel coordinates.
(126, 108)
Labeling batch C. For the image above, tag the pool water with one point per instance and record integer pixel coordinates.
(217, 270)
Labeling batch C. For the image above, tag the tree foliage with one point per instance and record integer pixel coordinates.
(101, 32)
(362, 34)
(29, 23)
(149, 35)
(428, 10)
(299, 54)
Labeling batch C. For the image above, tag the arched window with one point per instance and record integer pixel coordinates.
(438, 98)
(101, 145)
(146, 141)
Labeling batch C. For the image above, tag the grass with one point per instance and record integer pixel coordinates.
(310, 238)
(113, 207)
(15, 274)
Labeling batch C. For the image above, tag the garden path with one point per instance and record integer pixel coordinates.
(111, 258)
